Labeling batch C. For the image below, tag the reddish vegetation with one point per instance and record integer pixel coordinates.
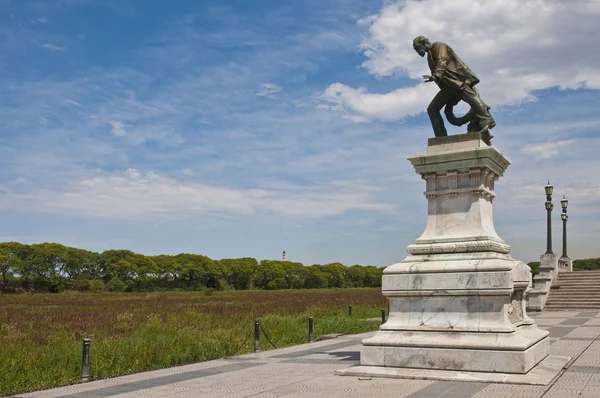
(37, 317)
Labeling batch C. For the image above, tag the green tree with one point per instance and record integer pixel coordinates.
(10, 264)
(373, 276)
(588, 264)
(535, 267)
(335, 274)
(168, 270)
(117, 263)
(238, 272)
(315, 277)
(270, 275)
(199, 271)
(355, 276)
(295, 274)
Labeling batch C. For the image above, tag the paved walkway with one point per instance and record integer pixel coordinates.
(307, 371)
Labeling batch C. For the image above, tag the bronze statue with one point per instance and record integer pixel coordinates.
(456, 82)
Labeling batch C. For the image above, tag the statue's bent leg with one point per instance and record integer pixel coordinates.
(482, 116)
(434, 108)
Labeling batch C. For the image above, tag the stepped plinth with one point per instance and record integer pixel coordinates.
(457, 301)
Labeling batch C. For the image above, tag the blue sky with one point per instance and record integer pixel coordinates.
(236, 128)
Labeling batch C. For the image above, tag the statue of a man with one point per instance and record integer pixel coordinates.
(456, 82)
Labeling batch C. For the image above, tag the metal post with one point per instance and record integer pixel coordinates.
(382, 316)
(310, 329)
(564, 254)
(549, 243)
(85, 361)
(256, 336)
(349, 310)
(549, 207)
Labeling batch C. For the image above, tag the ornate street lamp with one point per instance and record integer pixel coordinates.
(564, 217)
(549, 206)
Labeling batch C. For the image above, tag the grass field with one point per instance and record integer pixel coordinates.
(40, 334)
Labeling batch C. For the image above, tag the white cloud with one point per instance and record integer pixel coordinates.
(53, 47)
(134, 195)
(546, 150)
(187, 172)
(268, 89)
(516, 47)
(117, 128)
(38, 21)
(361, 105)
(138, 136)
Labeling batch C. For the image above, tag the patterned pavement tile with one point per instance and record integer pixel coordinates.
(307, 371)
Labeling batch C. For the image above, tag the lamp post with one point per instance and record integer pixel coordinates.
(549, 206)
(564, 217)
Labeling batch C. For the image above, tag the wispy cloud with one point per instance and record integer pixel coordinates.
(267, 90)
(135, 195)
(38, 21)
(546, 150)
(187, 172)
(53, 47)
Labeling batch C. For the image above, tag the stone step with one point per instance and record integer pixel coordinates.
(576, 297)
(555, 307)
(550, 306)
(579, 301)
(580, 285)
(552, 297)
(580, 278)
(592, 292)
(594, 279)
(576, 278)
(579, 273)
(584, 290)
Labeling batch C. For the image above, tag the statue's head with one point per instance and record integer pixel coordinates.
(421, 44)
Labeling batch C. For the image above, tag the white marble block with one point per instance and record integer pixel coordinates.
(457, 302)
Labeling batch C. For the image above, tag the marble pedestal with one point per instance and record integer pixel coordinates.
(457, 302)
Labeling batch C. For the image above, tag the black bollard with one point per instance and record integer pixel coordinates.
(85, 361)
(310, 329)
(349, 310)
(382, 316)
(256, 336)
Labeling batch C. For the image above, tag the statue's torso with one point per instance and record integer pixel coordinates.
(456, 72)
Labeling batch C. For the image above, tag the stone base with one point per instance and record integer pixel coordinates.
(565, 264)
(537, 296)
(515, 352)
(542, 374)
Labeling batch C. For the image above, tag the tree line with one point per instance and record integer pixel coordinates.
(52, 267)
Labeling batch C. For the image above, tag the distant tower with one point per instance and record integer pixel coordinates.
(283, 258)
